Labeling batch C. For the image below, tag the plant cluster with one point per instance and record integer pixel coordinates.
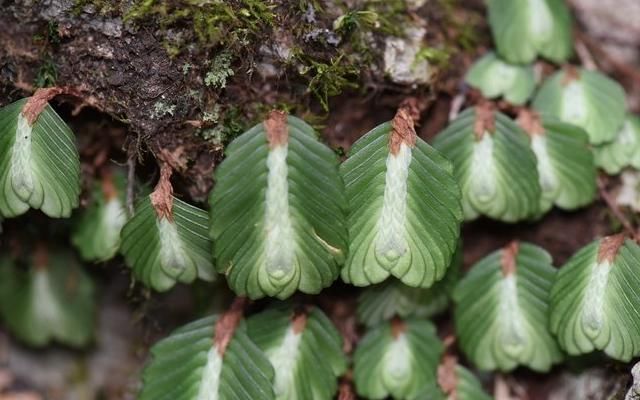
(286, 216)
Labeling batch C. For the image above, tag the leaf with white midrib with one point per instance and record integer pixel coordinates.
(501, 310)
(51, 300)
(404, 207)
(162, 251)
(277, 211)
(39, 164)
(594, 302)
(305, 350)
(623, 151)
(189, 365)
(497, 78)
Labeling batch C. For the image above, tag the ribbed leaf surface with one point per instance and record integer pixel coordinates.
(404, 209)
(522, 29)
(595, 302)
(391, 298)
(584, 98)
(161, 251)
(495, 167)
(455, 382)
(305, 351)
(623, 151)
(187, 366)
(278, 212)
(96, 234)
(51, 300)
(39, 165)
(565, 164)
(501, 310)
(496, 78)
(397, 359)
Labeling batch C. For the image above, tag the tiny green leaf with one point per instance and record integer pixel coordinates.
(305, 350)
(97, 232)
(397, 359)
(501, 310)
(493, 163)
(523, 29)
(496, 78)
(52, 299)
(565, 163)
(278, 210)
(166, 240)
(404, 207)
(39, 164)
(584, 98)
(391, 298)
(595, 303)
(623, 151)
(211, 358)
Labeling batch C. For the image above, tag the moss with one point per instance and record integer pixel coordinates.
(162, 109)
(47, 73)
(330, 79)
(220, 71)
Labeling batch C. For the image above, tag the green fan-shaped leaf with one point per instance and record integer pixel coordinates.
(584, 98)
(51, 299)
(623, 151)
(190, 365)
(501, 310)
(404, 207)
(96, 235)
(496, 78)
(565, 163)
(595, 302)
(493, 163)
(522, 29)
(391, 298)
(164, 250)
(397, 359)
(277, 211)
(305, 350)
(39, 165)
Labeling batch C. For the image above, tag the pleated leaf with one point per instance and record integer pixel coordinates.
(277, 211)
(595, 302)
(501, 310)
(162, 251)
(623, 151)
(565, 162)
(493, 163)
(96, 234)
(523, 29)
(52, 299)
(39, 165)
(404, 207)
(305, 350)
(379, 303)
(188, 365)
(398, 359)
(497, 78)
(584, 98)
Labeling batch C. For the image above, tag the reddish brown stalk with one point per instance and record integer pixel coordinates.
(571, 73)
(609, 246)
(38, 101)
(508, 260)
(530, 122)
(276, 128)
(299, 322)
(162, 196)
(108, 187)
(402, 129)
(447, 378)
(398, 327)
(228, 323)
(41, 256)
(485, 119)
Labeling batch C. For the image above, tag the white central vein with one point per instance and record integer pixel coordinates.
(279, 243)
(574, 107)
(483, 175)
(512, 327)
(593, 315)
(541, 21)
(172, 255)
(548, 179)
(391, 240)
(284, 359)
(22, 178)
(210, 380)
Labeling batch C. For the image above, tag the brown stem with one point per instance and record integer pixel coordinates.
(228, 323)
(162, 196)
(39, 100)
(508, 261)
(615, 210)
